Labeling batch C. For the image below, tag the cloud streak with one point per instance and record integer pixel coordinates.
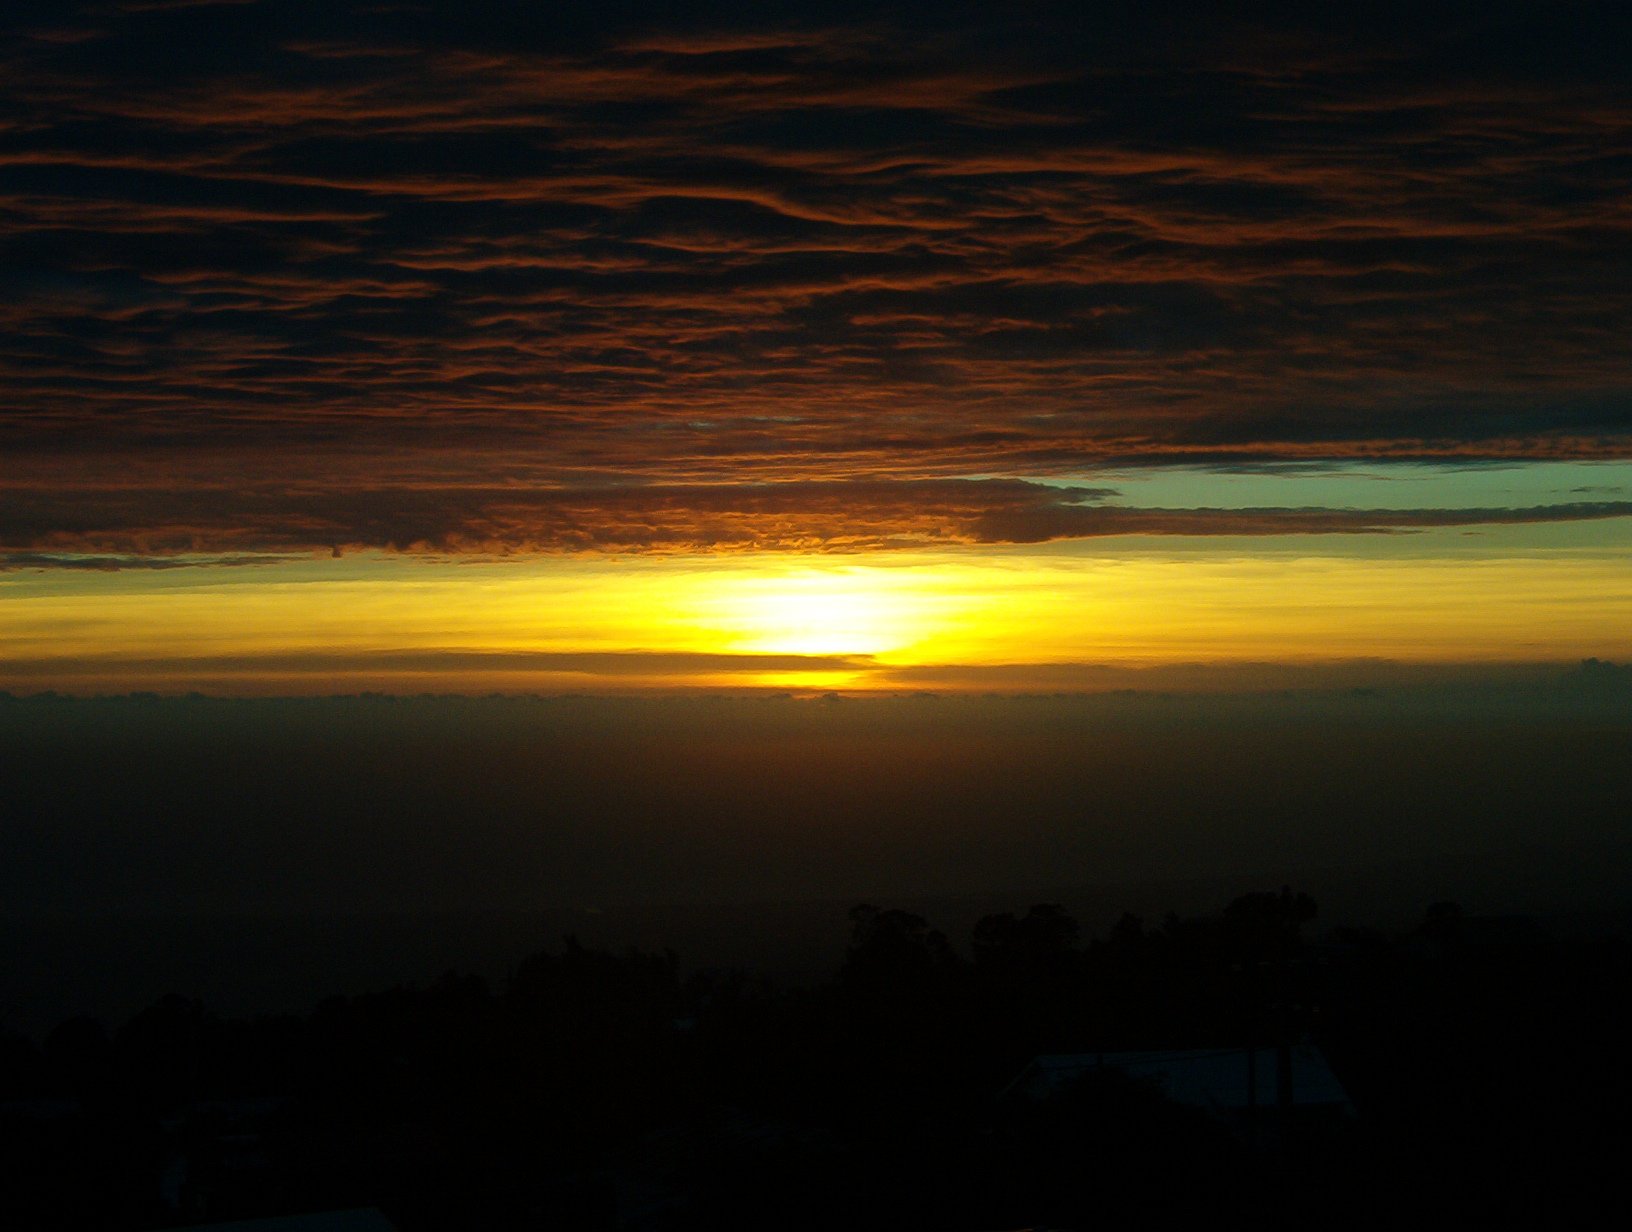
(150, 528)
(885, 245)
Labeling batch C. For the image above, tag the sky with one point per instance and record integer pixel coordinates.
(523, 347)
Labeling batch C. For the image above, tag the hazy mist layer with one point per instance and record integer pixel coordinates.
(368, 804)
(577, 812)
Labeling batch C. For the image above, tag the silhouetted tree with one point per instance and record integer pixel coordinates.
(895, 956)
(1442, 923)
(1045, 938)
(1263, 926)
(1030, 980)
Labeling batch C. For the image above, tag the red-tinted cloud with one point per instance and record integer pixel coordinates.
(122, 527)
(881, 244)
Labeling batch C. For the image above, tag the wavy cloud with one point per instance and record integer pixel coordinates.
(157, 529)
(891, 244)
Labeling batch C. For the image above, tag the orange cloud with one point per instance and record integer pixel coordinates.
(886, 248)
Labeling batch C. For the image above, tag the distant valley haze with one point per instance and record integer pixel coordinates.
(265, 852)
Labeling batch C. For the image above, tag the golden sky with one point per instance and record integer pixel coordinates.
(1010, 618)
(903, 345)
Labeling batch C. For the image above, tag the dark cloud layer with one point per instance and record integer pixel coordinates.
(677, 258)
(157, 528)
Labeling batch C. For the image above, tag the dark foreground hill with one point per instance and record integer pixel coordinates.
(1484, 1060)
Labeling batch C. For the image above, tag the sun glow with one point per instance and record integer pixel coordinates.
(958, 619)
(819, 612)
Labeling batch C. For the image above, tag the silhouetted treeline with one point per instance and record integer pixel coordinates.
(599, 1090)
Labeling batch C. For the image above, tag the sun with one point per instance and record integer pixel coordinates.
(851, 612)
